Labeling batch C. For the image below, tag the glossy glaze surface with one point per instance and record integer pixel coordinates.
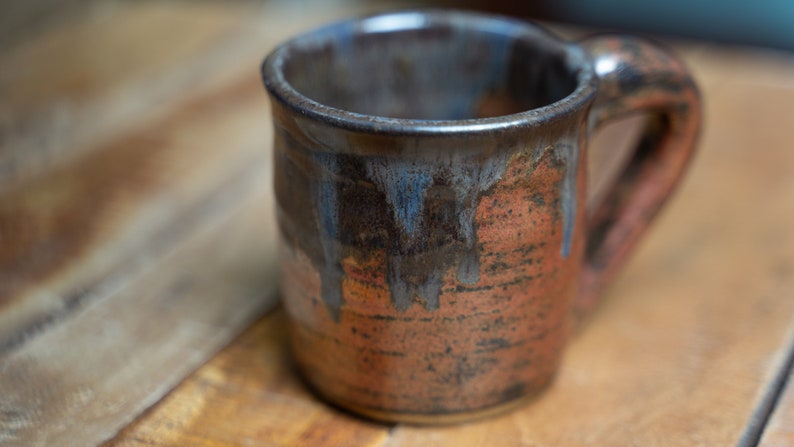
(432, 250)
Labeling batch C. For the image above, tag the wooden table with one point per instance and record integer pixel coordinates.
(137, 232)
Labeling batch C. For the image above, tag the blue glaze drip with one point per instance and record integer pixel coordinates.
(430, 289)
(568, 153)
(469, 267)
(403, 290)
(404, 183)
(331, 272)
(418, 257)
(469, 178)
(412, 273)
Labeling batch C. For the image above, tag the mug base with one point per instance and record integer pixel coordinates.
(438, 418)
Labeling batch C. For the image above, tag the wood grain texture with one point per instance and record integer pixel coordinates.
(101, 312)
(249, 395)
(128, 268)
(83, 379)
(95, 203)
(67, 231)
(682, 352)
(102, 70)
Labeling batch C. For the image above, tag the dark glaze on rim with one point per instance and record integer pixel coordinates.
(575, 59)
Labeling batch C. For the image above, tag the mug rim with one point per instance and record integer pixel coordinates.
(277, 85)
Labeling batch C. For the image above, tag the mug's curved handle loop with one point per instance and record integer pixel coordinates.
(636, 76)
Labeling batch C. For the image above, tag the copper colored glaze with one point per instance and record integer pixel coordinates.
(430, 181)
(637, 76)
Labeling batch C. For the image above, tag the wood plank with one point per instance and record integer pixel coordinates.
(82, 380)
(120, 275)
(72, 216)
(682, 352)
(249, 395)
(103, 70)
(67, 231)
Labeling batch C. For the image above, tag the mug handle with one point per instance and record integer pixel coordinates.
(636, 76)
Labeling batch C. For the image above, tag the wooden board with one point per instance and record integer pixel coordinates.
(72, 215)
(69, 231)
(249, 394)
(80, 381)
(100, 71)
(145, 244)
(91, 234)
(130, 267)
(687, 349)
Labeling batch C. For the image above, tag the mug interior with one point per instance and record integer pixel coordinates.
(430, 67)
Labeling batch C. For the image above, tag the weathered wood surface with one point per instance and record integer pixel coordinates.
(687, 350)
(77, 203)
(249, 394)
(101, 70)
(69, 231)
(150, 226)
(125, 270)
(80, 381)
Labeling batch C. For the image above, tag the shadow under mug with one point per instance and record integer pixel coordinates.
(436, 243)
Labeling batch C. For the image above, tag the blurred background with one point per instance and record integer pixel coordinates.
(766, 23)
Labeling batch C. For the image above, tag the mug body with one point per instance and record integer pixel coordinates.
(430, 185)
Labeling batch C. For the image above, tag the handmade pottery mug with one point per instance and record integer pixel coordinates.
(430, 171)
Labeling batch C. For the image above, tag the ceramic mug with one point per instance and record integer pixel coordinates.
(435, 237)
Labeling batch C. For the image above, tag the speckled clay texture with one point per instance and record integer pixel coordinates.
(430, 182)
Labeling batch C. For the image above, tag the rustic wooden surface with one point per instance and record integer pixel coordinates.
(105, 69)
(83, 188)
(102, 309)
(82, 379)
(691, 346)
